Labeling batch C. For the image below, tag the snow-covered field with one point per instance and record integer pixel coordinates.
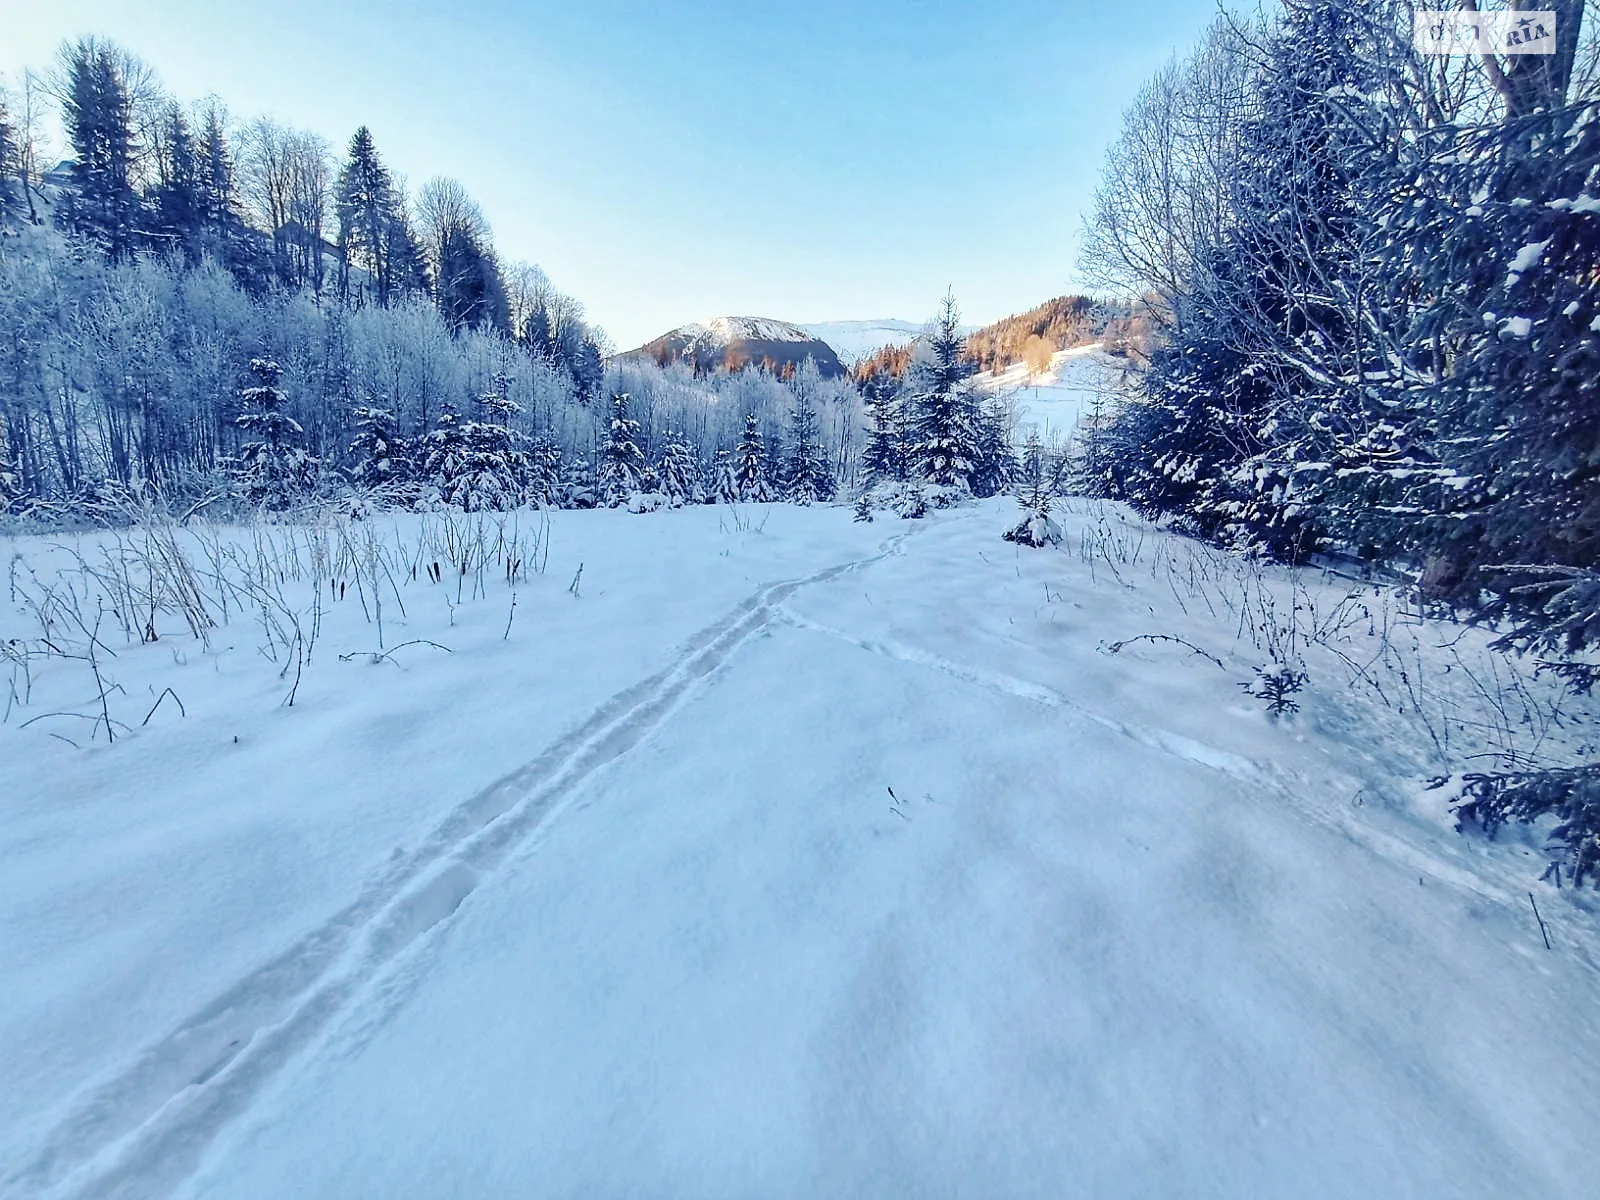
(776, 855)
(1053, 401)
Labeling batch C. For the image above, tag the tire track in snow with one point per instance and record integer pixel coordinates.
(142, 1131)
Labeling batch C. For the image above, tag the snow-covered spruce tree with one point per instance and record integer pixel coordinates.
(621, 461)
(1036, 480)
(678, 470)
(724, 479)
(544, 469)
(806, 477)
(997, 462)
(1508, 429)
(272, 467)
(883, 456)
(752, 469)
(1198, 436)
(942, 436)
(1261, 390)
(378, 455)
(493, 470)
(442, 453)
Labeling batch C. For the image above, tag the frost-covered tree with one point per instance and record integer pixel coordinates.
(544, 468)
(273, 467)
(678, 470)
(883, 456)
(442, 453)
(491, 467)
(752, 467)
(996, 462)
(942, 435)
(621, 461)
(378, 455)
(724, 479)
(806, 477)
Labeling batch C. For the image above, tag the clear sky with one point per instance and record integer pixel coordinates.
(816, 160)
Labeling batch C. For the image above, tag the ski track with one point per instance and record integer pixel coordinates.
(142, 1131)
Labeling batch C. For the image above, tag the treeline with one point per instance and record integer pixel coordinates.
(1376, 275)
(214, 313)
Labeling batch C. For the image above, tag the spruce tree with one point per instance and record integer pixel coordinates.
(678, 470)
(378, 454)
(101, 204)
(178, 212)
(442, 453)
(544, 468)
(883, 456)
(273, 467)
(752, 469)
(997, 462)
(806, 476)
(621, 461)
(942, 427)
(374, 234)
(10, 160)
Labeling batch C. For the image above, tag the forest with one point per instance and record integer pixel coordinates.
(1375, 276)
(200, 312)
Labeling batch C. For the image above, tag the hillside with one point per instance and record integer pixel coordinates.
(729, 343)
(1030, 337)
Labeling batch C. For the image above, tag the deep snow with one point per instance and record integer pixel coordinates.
(622, 902)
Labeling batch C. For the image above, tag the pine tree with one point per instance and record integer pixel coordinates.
(378, 455)
(442, 452)
(272, 467)
(996, 463)
(806, 477)
(942, 434)
(10, 160)
(178, 213)
(678, 470)
(544, 468)
(724, 479)
(621, 460)
(883, 457)
(752, 469)
(374, 233)
(101, 204)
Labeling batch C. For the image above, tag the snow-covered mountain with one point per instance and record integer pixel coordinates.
(854, 340)
(731, 342)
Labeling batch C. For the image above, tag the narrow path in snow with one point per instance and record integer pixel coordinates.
(145, 1128)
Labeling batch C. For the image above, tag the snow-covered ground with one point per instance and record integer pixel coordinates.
(779, 855)
(1053, 401)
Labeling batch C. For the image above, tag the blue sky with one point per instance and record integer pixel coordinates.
(666, 162)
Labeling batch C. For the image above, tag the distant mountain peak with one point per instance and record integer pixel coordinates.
(729, 343)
